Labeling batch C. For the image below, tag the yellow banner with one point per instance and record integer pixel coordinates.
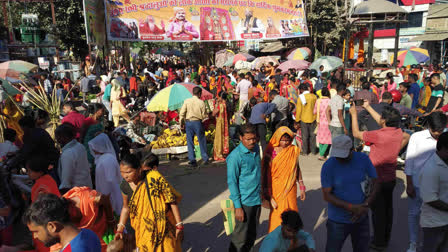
(204, 20)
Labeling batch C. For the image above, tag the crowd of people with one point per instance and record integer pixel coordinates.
(97, 184)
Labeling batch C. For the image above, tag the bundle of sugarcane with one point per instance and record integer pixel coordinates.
(49, 103)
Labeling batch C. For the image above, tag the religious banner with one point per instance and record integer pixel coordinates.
(204, 20)
(94, 22)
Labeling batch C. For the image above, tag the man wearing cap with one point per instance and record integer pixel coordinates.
(343, 177)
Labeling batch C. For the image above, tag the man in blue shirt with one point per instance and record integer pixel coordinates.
(344, 178)
(414, 90)
(289, 236)
(48, 219)
(260, 111)
(243, 178)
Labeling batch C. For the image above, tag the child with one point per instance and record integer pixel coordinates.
(298, 137)
(37, 169)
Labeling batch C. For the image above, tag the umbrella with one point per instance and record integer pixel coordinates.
(176, 52)
(295, 64)
(8, 88)
(243, 57)
(299, 54)
(222, 56)
(14, 68)
(161, 51)
(243, 65)
(173, 97)
(258, 62)
(329, 62)
(412, 56)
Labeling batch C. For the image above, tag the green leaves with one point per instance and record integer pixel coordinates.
(69, 29)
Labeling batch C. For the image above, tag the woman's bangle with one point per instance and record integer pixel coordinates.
(181, 227)
(179, 224)
(302, 188)
(121, 224)
(118, 232)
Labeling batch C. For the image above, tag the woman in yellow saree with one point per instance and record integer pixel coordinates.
(280, 172)
(154, 212)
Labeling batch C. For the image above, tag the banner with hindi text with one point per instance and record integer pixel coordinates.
(204, 20)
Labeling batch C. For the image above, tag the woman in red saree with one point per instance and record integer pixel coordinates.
(171, 76)
(280, 175)
(283, 84)
(221, 142)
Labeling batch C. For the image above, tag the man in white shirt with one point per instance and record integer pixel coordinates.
(434, 193)
(243, 90)
(73, 168)
(422, 145)
(335, 112)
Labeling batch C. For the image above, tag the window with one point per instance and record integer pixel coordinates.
(415, 19)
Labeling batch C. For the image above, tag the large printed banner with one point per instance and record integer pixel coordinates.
(94, 20)
(204, 20)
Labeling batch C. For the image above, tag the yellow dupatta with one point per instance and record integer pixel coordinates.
(281, 175)
(151, 217)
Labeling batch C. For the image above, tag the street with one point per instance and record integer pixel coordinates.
(203, 190)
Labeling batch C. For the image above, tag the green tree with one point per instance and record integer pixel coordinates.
(69, 30)
(326, 22)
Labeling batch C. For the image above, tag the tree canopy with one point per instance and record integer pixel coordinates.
(69, 30)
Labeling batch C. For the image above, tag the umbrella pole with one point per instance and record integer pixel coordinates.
(397, 39)
(370, 52)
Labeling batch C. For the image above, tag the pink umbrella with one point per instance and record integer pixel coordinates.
(243, 57)
(295, 64)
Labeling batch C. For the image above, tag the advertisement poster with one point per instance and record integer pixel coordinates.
(94, 21)
(204, 20)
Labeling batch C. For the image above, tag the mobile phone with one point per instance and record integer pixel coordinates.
(359, 102)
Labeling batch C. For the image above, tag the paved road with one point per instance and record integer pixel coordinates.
(204, 189)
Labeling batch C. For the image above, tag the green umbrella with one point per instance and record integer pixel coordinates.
(329, 62)
(8, 88)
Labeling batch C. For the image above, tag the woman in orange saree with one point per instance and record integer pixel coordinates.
(92, 210)
(221, 142)
(280, 175)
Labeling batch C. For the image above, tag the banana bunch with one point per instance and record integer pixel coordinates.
(210, 135)
(170, 138)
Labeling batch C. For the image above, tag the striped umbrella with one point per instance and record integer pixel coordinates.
(173, 97)
(299, 54)
(412, 56)
(14, 68)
